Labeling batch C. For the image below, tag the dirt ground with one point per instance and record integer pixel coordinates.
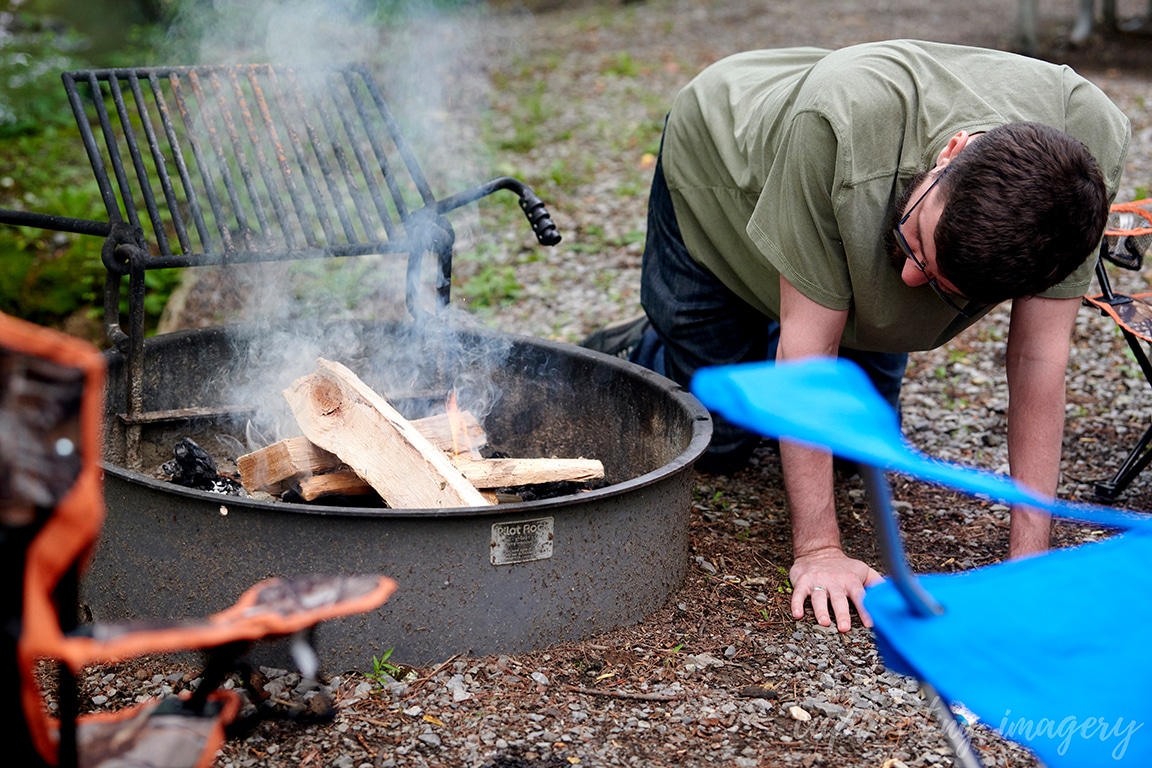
(649, 695)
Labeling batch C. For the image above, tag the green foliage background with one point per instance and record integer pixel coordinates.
(49, 277)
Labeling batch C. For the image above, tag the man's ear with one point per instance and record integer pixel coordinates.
(954, 146)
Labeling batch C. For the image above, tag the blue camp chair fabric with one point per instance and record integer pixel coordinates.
(1029, 646)
(1047, 650)
(829, 403)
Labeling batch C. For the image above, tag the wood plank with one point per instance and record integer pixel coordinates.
(438, 429)
(339, 413)
(270, 469)
(502, 473)
(485, 474)
(342, 482)
(345, 482)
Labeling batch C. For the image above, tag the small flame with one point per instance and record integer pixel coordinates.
(461, 443)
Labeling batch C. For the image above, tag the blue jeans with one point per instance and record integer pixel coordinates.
(697, 321)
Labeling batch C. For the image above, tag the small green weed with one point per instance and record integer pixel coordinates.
(786, 587)
(670, 654)
(384, 671)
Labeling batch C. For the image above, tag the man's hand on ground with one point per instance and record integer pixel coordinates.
(830, 579)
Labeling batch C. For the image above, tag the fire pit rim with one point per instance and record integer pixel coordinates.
(693, 408)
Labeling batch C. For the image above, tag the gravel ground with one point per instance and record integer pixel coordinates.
(722, 675)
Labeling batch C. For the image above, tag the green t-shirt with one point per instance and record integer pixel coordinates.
(790, 162)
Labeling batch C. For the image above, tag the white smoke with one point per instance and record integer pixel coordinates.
(296, 312)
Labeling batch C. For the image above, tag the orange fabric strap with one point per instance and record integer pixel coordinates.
(1135, 316)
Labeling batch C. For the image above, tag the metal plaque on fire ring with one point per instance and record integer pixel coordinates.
(522, 541)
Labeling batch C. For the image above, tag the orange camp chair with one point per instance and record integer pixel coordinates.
(1126, 241)
(51, 512)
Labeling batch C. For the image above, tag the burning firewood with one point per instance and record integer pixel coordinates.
(339, 413)
(274, 469)
(345, 482)
(484, 474)
(297, 463)
(502, 473)
(342, 411)
(342, 482)
(457, 432)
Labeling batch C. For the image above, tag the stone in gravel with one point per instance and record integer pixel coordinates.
(827, 707)
(458, 689)
(540, 678)
(702, 661)
(799, 713)
(430, 738)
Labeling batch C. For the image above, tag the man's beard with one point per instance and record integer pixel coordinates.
(895, 254)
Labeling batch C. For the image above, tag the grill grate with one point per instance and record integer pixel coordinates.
(234, 164)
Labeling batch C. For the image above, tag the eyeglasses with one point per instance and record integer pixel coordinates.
(919, 264)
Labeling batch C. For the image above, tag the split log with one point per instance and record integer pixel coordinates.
(342, 482)
(345, 482)
(502, 473)
(338, 412)
(274, 468)
(468, 437)
(483, 474)
(270, 469)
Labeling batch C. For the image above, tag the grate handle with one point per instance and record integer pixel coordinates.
(538, 217)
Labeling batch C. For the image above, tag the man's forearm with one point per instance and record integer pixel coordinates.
(1035, 436)
(1036, 362)
(808, 482)
(808, 329)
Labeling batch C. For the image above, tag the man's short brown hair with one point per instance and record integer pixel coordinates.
(1025, 205)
